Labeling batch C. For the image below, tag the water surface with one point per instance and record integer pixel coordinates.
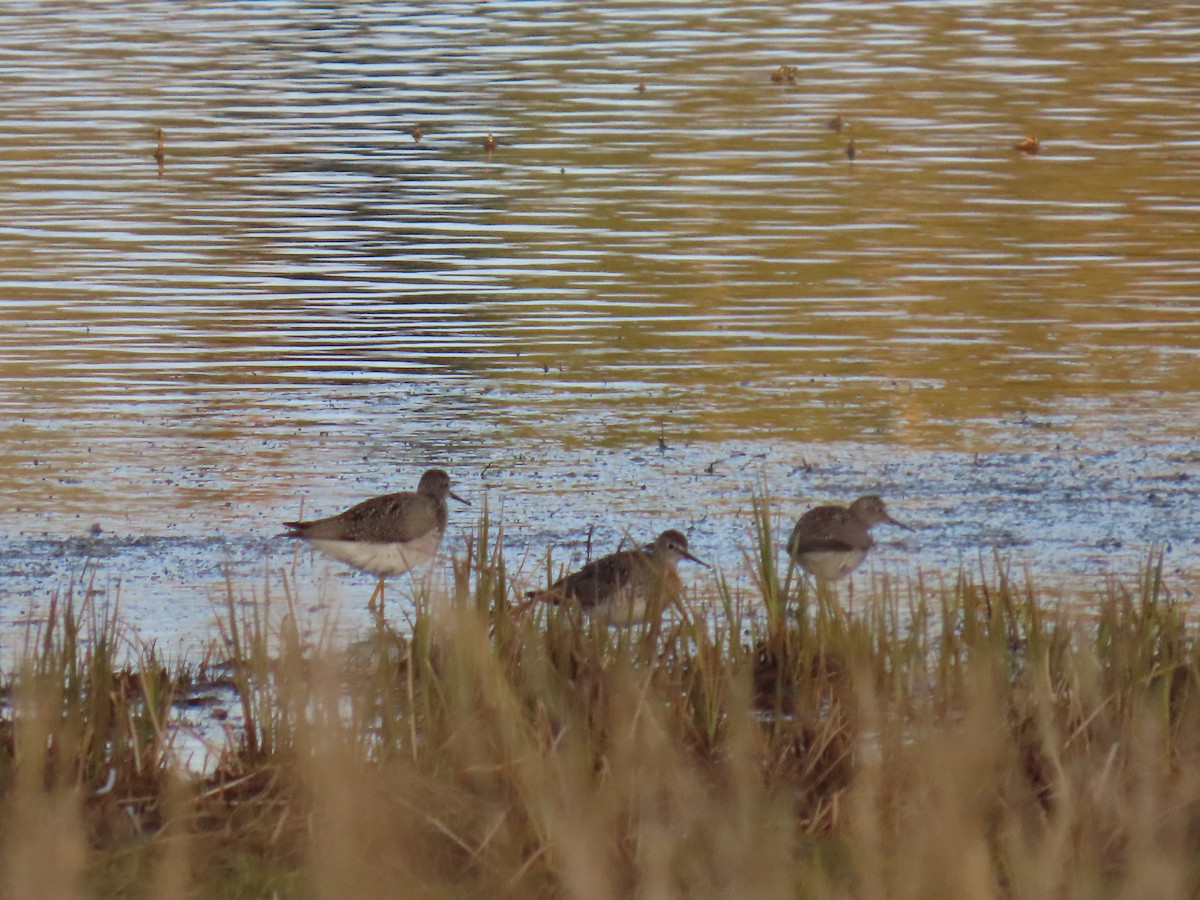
(309, 306)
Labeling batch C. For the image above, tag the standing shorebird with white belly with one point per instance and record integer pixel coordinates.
(386, 535)
(627, 586)
(830, 542)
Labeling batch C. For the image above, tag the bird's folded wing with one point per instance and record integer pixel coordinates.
(593, 584)
(391, 518)
(816, 543)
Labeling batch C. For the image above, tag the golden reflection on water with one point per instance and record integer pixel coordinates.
(698, 260)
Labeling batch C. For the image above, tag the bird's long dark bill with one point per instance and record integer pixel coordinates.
(892, 521)
(695, 559)
(458, 498)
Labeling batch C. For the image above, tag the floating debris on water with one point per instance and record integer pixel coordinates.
(1029, 145)
(160, 153)
(785, 75)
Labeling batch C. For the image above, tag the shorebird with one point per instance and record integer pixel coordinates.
(829, 542)
(386, 535)
(627, 586)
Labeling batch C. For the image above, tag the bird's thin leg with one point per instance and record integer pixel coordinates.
(371, 605)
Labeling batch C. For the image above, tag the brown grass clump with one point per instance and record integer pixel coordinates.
(970, 739)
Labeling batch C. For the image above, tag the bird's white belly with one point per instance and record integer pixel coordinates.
(629, 604)
(625, 605)
(383, 559)
(830, 565)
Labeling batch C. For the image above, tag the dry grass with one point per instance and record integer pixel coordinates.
(967, 739)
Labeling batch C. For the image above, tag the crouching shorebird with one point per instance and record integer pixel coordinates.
(830, 542)
(386, 535)
(627, 586)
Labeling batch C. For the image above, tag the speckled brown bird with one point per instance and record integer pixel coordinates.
(386, 535)
(830, 542)
(627, 586)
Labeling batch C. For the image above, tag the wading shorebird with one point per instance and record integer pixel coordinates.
(386, 535)
(627, 586)
(830, 542)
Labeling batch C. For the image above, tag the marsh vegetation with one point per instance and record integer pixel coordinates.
(965, 735)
